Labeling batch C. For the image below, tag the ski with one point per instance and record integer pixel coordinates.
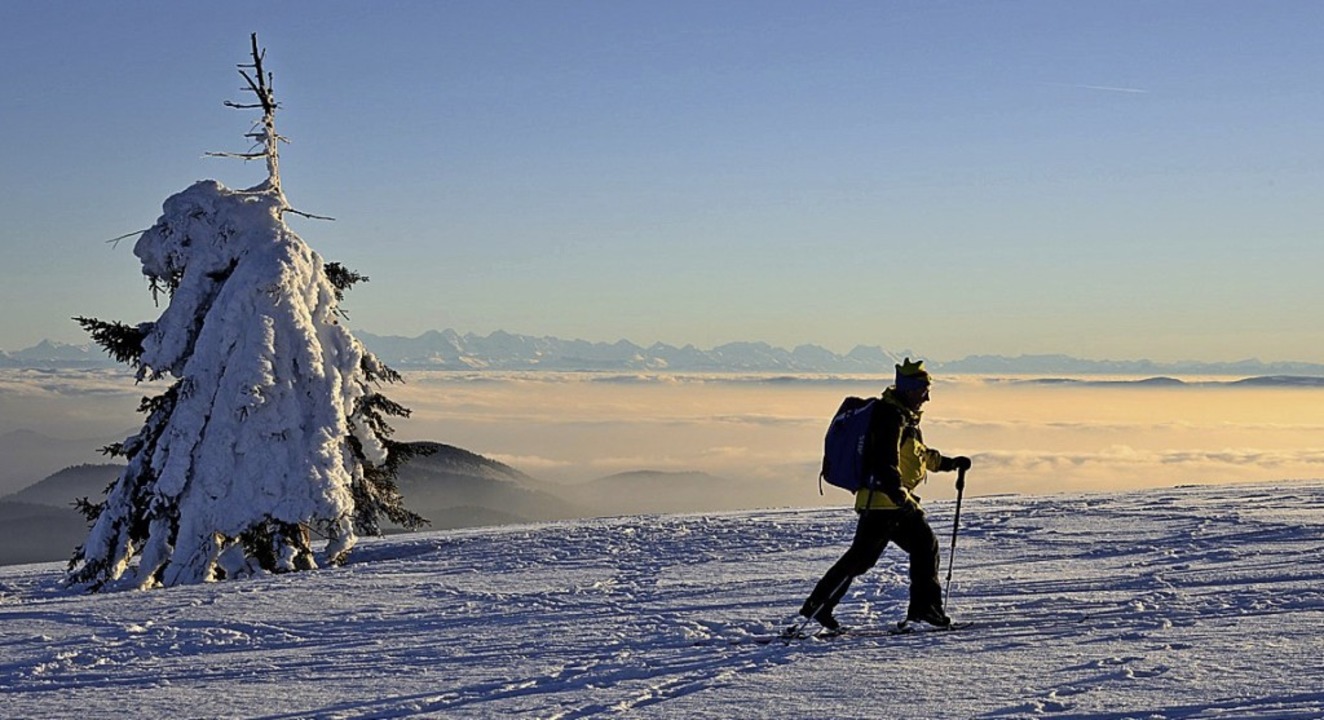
(911, 628)
(902, 628)
(798, 633)
(788, 637)
(795, 633)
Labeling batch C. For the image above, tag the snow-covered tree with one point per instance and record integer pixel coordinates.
(272, 427)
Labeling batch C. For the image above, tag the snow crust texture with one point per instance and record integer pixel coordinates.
(1192, 602)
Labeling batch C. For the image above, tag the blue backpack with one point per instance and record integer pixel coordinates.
(844, 446)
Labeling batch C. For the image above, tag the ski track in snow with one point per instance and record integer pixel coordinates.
(1193, 602)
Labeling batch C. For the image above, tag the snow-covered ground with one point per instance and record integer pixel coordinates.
(1192, 602)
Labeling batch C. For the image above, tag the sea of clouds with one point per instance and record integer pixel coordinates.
(1025, 437)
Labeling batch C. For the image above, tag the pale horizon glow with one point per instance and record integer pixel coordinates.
(572, 427)
(576, 427)
(1103, 180)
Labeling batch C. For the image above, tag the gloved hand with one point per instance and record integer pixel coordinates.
(960, 464)
(910, 509)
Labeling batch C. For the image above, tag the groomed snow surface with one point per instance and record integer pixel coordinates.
(1192, 602)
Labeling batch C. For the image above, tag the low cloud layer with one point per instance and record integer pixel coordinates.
(569, 428)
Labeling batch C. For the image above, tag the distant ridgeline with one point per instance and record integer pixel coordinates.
(449, 350)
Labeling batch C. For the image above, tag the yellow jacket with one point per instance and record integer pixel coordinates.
(900, 460)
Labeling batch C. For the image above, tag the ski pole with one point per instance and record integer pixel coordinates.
(956, 525)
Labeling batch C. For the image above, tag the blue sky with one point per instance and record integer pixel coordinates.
(1109, 180)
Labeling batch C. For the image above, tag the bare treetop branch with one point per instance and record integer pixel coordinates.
(261, 83)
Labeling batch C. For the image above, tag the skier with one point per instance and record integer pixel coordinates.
(896, 460)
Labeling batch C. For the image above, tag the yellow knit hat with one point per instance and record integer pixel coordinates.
(912, 375)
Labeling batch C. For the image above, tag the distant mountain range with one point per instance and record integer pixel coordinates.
(39, 523)
(30, 456)
(48, 354)
(449, 350)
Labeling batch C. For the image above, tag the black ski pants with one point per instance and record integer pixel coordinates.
(876, 528)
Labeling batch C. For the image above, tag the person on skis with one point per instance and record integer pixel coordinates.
(896, 460)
